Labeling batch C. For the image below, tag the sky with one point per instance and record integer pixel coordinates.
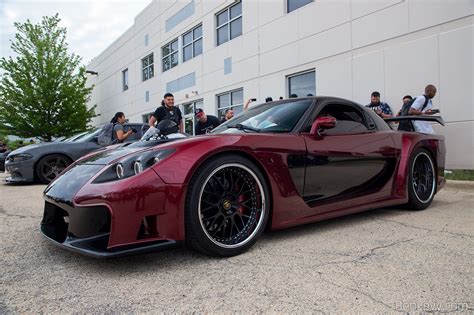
(92, 25)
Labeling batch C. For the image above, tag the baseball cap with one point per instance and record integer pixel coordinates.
(198, 112)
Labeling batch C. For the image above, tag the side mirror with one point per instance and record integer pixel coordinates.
(322, 123)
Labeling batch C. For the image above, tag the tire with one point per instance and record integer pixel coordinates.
(50, 166)
(421, 180)
(227, 206)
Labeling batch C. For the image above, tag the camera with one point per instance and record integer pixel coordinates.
(134, 130)
(253, 99)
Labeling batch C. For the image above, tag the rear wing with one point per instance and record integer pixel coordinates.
(437, 119)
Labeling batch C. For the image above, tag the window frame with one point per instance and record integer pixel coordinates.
(288, 6)
(231, 106)
(228, 22)
(164, 57)
(288, 77)
(190, 115)
(148, 67)
(192, 43)
(125, 79)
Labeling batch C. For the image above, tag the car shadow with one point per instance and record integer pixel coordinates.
(186, 258)
(22, 184)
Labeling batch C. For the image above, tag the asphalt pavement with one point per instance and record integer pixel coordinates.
(385, 260)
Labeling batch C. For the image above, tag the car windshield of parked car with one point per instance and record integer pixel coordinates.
(75, 137)
(88, 136)
(267, 118)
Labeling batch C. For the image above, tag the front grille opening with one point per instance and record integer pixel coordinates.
(148, 227)
(15, 174)
(67, 223)
(53, 224)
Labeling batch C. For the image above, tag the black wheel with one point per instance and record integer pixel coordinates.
(421, 180)
(50, 166)
(227, 206)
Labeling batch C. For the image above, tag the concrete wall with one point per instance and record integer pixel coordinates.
(354, 46)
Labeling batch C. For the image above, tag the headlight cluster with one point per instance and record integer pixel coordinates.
(19, 157)
(132, 165)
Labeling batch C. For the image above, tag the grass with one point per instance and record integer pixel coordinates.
(459, 174)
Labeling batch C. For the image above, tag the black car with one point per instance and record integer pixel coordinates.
(43, 162)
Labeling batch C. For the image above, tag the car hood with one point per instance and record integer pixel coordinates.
(30, 147)
(111, 154)
(46, 146)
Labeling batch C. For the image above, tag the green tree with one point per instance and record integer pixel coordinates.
(43, 89)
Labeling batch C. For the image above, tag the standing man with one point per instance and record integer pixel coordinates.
(406, 99)
(167, 111)
(380, 108)
(229, 114)
(205, 122)
(422, 106)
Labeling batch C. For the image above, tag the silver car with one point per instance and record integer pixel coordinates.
(43, 162)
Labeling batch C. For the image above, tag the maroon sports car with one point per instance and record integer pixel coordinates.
(276, 165)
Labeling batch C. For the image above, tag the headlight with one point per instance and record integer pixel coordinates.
(132, 165)
(20, 157)
(119, 170)
(137, 167)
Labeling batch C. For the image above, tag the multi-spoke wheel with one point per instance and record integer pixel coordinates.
(421, 180)
(227, 206)
(50, 166)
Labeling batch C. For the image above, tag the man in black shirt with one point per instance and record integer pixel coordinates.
(205, 122)
(167, 110)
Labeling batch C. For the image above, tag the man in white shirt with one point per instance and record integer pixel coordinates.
(418, 108)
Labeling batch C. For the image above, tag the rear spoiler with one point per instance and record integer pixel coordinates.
(437, 119)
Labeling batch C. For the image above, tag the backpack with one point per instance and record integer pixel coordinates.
(406, 125)
(106, 135)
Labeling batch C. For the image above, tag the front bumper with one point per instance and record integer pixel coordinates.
(129, 216)
(21, 172)
(89, 234)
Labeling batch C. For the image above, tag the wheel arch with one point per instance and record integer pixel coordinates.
(425, 144)
(35, 174)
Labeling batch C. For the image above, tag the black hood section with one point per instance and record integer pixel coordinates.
(63, 189)
(107, 156)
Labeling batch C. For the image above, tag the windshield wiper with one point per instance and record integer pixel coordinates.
(244, 127)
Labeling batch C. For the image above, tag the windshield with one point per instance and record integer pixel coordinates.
(88, 136)
(75, 137)
(268, 117)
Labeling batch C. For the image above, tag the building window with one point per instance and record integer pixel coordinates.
(125, 79)
(229, 23)
(170, 55)
(233, 100)
(302, 84)
(192, 43)
(146, 117)
(292, 5)
(188, 116)
(147, 67)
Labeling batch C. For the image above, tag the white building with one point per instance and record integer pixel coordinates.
(215, 54)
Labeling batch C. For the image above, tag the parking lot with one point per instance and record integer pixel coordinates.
(384, 260)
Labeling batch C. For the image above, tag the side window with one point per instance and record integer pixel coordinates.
(349, 120)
